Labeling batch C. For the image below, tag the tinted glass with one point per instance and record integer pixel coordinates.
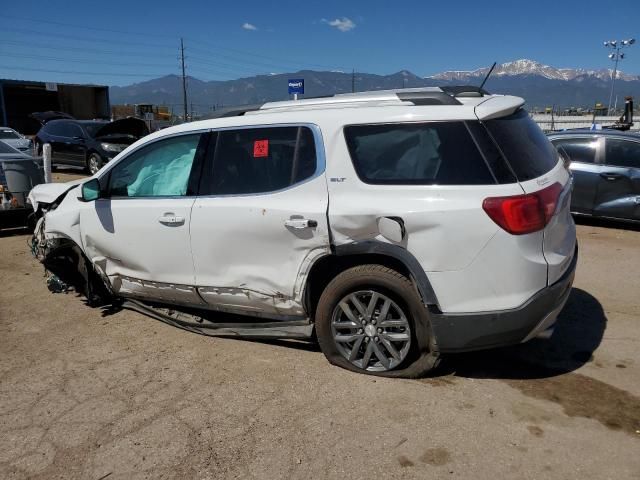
(492, 155)
(578, 149)
(73, 130)
(259, 160)
(92, 128)
(160, 169)
(622, 153)
(525, 147)
(6, 133)
(57, 129)
(435, 153)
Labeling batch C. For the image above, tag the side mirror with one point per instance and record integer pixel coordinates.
(90, 190)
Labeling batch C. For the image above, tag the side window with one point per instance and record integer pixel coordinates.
(435, 153)
(74, 131)
(578, 149)
(159, 169)
(260, 160)
(67, 130)
(56, 129)
(622, 153)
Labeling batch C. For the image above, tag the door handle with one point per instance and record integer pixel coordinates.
(300, 223)
(610, 176)
(171, 219)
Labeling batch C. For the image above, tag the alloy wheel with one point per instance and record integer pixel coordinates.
(371, 331)
(94, 164)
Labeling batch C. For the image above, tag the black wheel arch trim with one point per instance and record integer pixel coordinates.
(399, 253)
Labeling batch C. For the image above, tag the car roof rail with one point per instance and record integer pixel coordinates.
(236, 111)
(417, 96)
(428, 98)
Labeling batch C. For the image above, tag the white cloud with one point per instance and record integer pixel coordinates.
(249, 26)
(343, 24)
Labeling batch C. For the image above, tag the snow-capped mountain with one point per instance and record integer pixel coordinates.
(531, 67)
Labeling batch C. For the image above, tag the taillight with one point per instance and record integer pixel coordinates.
(522, 214)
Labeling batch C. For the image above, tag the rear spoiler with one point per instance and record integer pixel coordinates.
(498, 106)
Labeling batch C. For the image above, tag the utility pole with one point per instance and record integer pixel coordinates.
(184, 79)
(353, 80)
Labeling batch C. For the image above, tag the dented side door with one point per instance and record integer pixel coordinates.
(252, 250)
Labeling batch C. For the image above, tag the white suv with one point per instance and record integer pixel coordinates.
(393, 225)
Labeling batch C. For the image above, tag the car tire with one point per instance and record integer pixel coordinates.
(94, 163)
(393, 315)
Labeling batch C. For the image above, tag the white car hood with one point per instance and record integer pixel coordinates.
(49, 192)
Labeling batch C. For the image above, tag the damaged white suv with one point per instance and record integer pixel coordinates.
(393, 225)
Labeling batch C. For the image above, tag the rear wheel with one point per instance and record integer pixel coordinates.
(370, 319)
(94, 163)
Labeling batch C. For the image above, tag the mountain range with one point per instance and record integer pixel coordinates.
(540, 85)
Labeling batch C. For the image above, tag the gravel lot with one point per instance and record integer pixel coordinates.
(92, 394)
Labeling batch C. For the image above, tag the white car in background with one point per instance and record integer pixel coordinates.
(16, 140)
(395, 225)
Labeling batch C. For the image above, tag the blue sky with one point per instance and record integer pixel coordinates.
(121, 42)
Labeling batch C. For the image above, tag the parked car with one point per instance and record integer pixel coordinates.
(19, 172)
(88, 143)
(15, 139)
(606, 170)
(395, 224)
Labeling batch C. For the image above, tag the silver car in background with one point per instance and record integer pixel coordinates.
(15, 140)
(606, 171)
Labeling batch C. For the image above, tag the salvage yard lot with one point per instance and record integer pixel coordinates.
(88, 393)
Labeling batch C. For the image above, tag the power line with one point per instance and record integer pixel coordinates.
(92, 28)
(86, 61)
(261, 56)
(146, 34)
(87, 50)
(83, 39)
(150, 75)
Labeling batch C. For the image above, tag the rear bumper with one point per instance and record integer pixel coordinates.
(460, 332)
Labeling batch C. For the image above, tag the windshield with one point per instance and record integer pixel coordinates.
(92, 128)
(7, 133)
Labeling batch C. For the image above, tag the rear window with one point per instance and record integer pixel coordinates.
(434, 153)
(524, 145)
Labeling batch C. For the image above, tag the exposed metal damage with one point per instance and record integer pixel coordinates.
(199, 322)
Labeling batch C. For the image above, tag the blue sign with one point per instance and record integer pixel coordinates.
(296, 85)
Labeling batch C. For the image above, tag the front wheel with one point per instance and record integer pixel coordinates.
(94, 163)
(370, 319)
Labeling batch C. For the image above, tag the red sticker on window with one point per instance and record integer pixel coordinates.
(261, 148)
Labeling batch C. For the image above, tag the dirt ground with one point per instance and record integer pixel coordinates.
(91, 394)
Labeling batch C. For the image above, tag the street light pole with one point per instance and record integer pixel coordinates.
(616, 56)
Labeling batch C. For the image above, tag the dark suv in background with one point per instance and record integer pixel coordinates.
(89, 143)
